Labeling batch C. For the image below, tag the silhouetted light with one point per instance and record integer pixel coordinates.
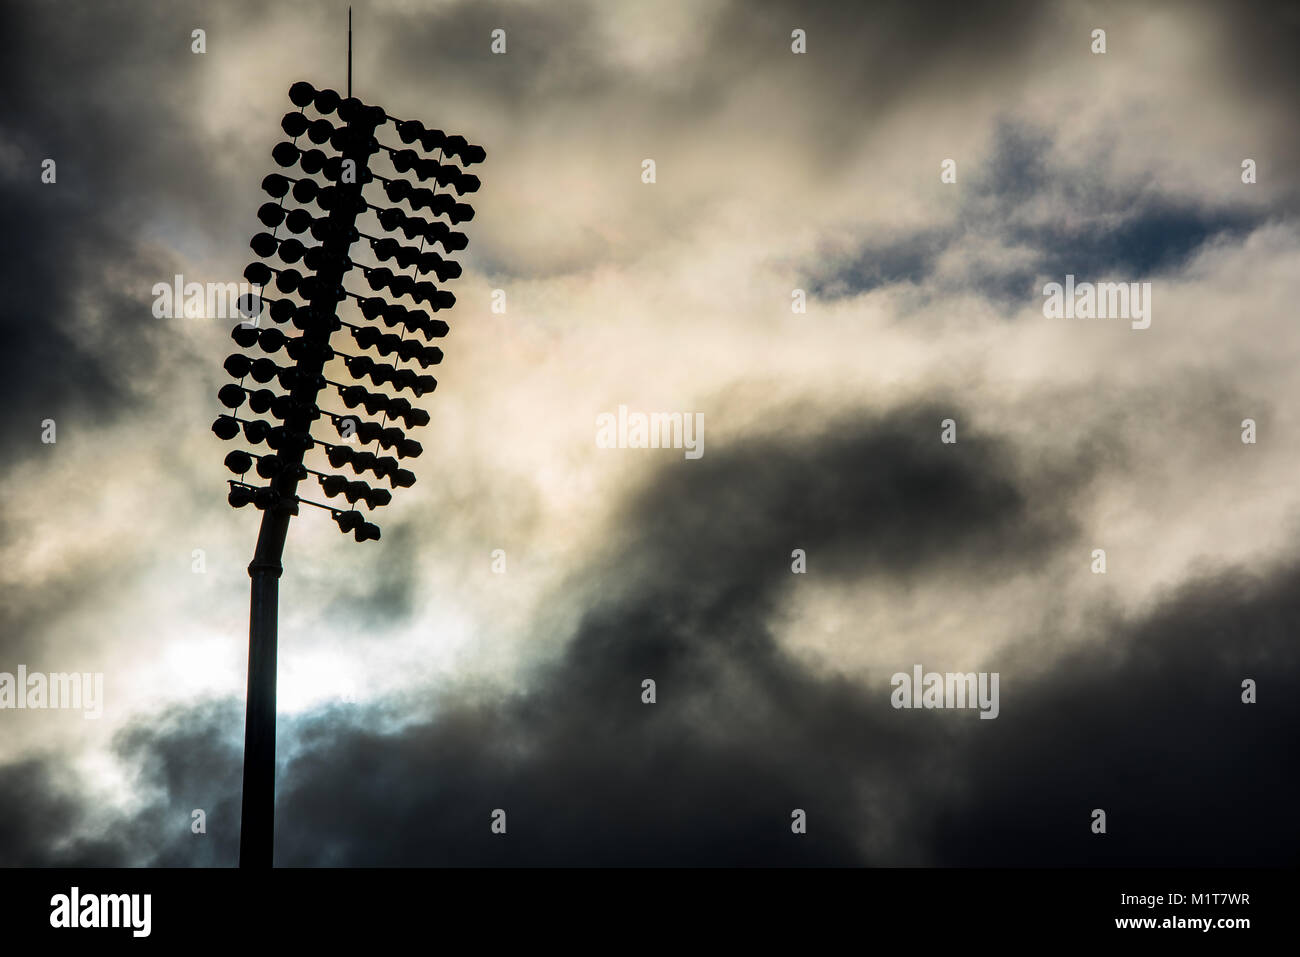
(409, 130)
(409, 448)
(239, 496)
(323, 229)
(237, 364)
(319, 131)
(271, 339)
(377, 497)
(314, 258)
(259, 274)
(225, 427)
(263, 244)
(239, 461)
(428, 169)
(309, 288)
(231, 396)
(455, 143)
(291, 250)
(398, 189)
(255, 429)
(282, 310)
(347, 521)
(260, 402)
(439, 204)
(287, 280)
(312, 161)
(366, 532)
(299, 349)
(355, 491)
(271, 214)
(284, 153)
(250, 304)
(268, 466)
(275, 184)
(302, 93)
(326, 101)
(295, 124)
(426, 356)
(404, 160)
(299, 221)
(263, 370)
(349, 109)
(244, 335)
(431, 140)
(402, 478)
(305, 190)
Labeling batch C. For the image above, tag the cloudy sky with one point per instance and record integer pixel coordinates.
(420, 690)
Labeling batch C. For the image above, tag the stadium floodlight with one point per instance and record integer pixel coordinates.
(308, 270)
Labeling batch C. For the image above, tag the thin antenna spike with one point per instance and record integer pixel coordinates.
(349, 52)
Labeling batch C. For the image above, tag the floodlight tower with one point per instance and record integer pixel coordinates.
(315, 314)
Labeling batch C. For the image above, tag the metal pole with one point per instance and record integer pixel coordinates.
(257, 821)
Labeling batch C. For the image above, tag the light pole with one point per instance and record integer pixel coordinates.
(318, 368)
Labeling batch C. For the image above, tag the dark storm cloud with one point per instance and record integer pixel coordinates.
(1147, 724)
(1256, 57)
(38, 807)
(742, 733)
(192, 758)
(185, 759)
(100, 88)
(1149, 727)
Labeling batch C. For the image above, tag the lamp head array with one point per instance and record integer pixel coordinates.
(306, 271)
